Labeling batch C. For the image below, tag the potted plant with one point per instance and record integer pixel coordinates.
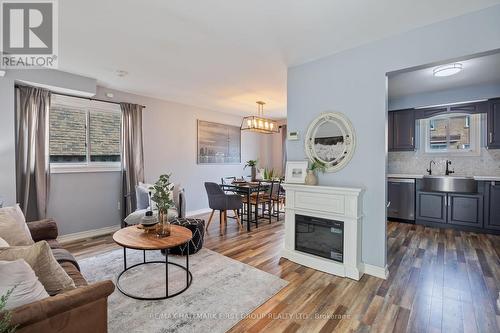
(252, 164)
(5, 316)
(162, 195)
(316, 165)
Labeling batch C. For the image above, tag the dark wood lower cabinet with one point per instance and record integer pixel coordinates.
(492, 206)
(478, 212)
(431, 206)
(465, 209)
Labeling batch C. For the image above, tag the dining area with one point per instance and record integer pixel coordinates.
(248, 200)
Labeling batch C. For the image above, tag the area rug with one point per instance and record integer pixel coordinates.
(223, 291)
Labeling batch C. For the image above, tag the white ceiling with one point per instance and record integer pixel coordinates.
(476, 71)
(226, 54)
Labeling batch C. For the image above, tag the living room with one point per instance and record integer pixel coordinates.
(141, 224)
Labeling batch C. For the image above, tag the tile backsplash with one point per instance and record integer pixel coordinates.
(487, 164)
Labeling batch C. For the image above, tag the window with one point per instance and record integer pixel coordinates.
(84, 135)
(456, 133)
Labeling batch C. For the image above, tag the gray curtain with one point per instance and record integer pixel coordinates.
(132, 157)
(32, 151)
(283, 148)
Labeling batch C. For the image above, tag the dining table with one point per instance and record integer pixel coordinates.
(247, 189)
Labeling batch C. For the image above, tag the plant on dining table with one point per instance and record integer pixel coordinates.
(253, 165)
(270, 174)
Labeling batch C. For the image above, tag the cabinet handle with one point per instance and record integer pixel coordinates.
(491, 137)
(412, 140)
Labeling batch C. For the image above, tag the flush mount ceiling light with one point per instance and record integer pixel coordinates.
(448, 70)
(259, 123)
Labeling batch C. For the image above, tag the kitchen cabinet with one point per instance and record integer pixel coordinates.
(390, 131)
(492, 206)
(450, 209)
(431, 206)
(402, 130)
(493, 121)
(465, 209)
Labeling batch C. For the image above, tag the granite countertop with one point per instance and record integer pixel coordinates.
(415, 176)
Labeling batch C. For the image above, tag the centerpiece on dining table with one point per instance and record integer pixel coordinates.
(161, 194)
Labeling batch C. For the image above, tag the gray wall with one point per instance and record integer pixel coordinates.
(84, 201)
(470, 93)
(170, 140)
(354, 82)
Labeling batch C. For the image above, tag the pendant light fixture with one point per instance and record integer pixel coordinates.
(259, 123)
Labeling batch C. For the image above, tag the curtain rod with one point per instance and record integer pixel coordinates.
(89, 98)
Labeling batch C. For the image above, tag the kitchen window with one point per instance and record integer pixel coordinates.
(457, 134)
(84, 135)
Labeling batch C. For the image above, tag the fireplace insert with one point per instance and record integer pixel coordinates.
(321, 237)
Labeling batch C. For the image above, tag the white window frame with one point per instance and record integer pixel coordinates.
(88, 166)
(475, 136)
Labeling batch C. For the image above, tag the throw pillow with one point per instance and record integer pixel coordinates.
(39, 256)
(19, 277)
(18, 214)
(142, 197)
(3, 243)
(13, 227)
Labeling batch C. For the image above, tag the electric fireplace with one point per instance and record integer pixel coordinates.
(319, 236)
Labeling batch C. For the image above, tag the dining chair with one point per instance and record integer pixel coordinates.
(278, 199)
(259, 198)
(221, 201)
(227, 180)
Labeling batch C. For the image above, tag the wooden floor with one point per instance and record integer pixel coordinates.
(440, 281)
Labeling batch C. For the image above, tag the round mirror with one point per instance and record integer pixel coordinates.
(330, 140)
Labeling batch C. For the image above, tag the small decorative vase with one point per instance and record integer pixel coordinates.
(163, 229)
(311, 178)
(254, 173)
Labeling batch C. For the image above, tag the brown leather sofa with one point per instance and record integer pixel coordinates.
(84, 309)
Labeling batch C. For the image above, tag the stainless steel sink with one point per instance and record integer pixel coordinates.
(449, 184)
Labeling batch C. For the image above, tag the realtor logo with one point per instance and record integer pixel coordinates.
(29, 34)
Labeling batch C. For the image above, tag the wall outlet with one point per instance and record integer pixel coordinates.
(119, 205)
(293, 136)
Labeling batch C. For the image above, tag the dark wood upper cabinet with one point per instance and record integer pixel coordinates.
(402, 130)
(390, 131)
(493, 120)
(472, 108)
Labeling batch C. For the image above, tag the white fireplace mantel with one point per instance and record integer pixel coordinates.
(335, 203)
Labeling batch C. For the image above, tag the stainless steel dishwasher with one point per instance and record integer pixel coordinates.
(401, 198)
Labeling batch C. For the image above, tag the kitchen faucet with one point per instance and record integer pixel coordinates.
(448, 171)
(430, 167)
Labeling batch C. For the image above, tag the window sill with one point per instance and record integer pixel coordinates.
(82, 169)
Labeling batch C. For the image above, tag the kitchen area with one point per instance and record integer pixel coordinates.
(443, 128)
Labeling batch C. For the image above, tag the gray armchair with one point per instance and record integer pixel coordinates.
(219, 200)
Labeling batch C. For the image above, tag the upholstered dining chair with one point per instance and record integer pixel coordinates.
(219, 200)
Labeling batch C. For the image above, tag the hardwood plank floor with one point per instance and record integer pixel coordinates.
(440, 281)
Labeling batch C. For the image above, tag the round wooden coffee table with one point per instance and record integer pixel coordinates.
(135, 238)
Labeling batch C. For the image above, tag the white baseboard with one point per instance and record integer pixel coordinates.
(87, 234)
(198, 212)
(377, 271)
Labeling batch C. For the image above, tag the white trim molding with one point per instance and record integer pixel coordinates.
(68, 238)
(377, 271)
(334, 203)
